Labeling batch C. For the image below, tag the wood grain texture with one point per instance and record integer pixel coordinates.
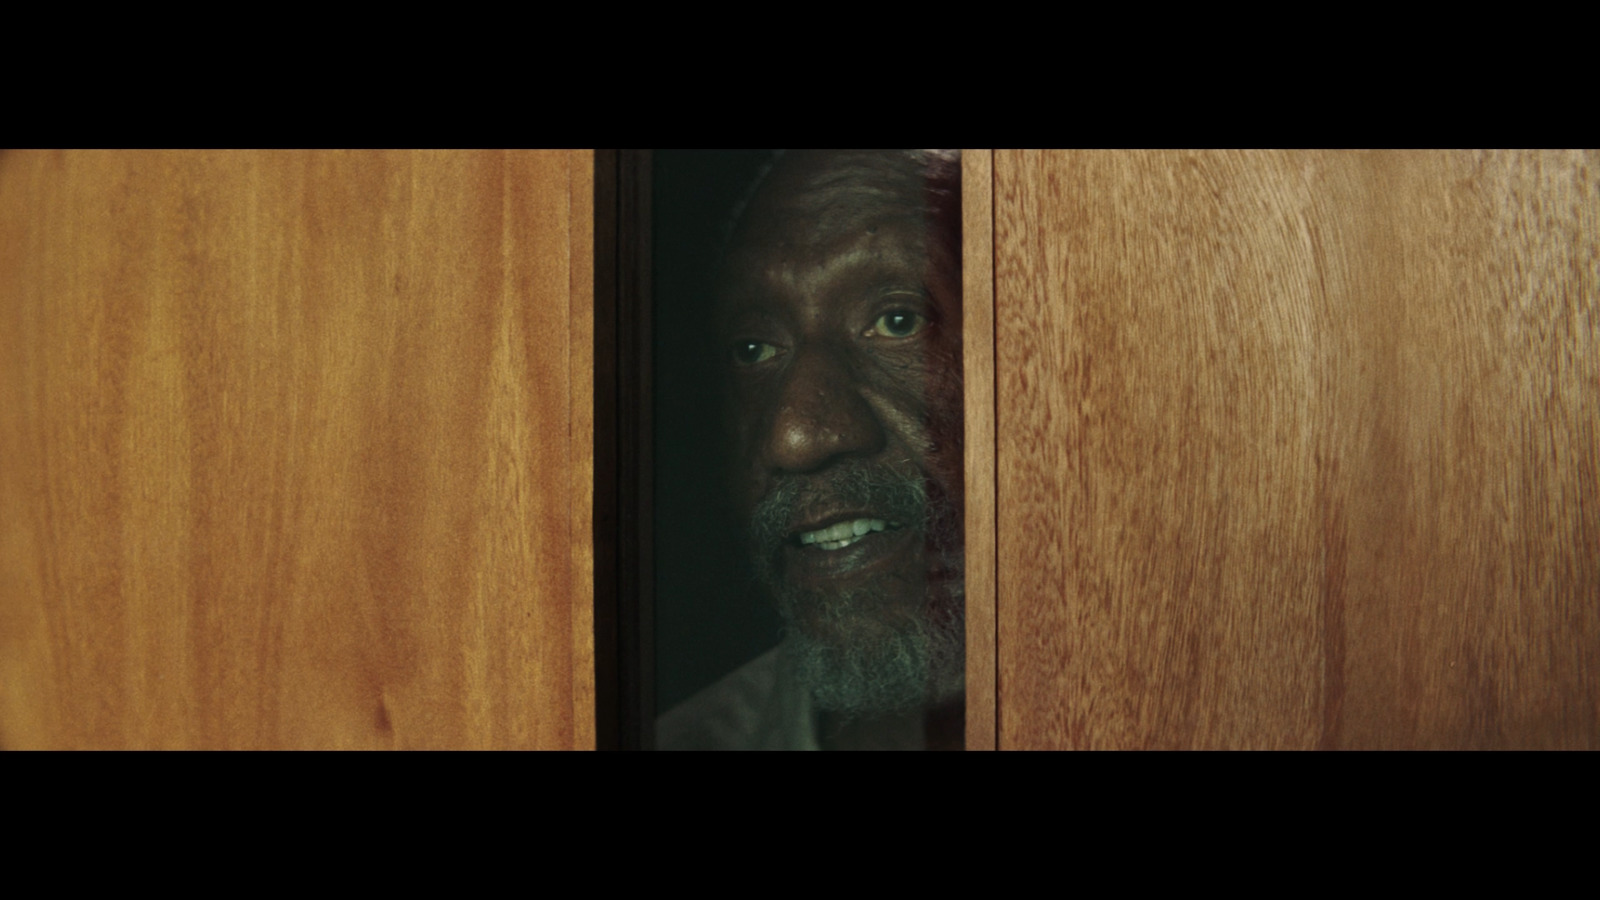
(977, 332)
(580, 596)
(1298, 449)
(292, 456)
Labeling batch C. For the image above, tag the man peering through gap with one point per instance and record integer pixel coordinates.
(839, 314)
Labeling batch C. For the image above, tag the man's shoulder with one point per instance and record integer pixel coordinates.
(753, 708)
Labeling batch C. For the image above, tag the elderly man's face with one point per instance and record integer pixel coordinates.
(841, 318)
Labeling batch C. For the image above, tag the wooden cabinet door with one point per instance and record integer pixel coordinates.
(296, 449)
(1297, 449)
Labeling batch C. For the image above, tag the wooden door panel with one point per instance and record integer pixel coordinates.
(290, 450)
(1297, 449)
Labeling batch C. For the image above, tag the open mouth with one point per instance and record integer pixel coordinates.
(853, 522)
(842, 534)
(846, 549)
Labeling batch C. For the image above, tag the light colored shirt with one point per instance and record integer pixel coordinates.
(762, 706)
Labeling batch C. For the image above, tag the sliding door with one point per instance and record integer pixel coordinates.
(296, 449)
(1297, 449)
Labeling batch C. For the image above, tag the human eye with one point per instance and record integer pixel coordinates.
(750, 353)
(897, 323)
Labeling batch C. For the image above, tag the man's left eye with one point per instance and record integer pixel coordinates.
(897, 324)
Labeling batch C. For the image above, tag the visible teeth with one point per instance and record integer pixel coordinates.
(842, 534)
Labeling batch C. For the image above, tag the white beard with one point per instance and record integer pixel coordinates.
(910, 664)
(860, 651)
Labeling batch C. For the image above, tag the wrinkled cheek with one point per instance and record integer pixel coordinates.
(742, 483)
(947, 463)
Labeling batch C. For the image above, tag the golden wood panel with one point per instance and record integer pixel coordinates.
(977, 238)
(1298, 449)
(580, 444)
(291, 453)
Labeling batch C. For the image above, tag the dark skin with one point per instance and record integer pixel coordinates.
(841, 312)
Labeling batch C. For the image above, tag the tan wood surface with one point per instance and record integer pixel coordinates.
(1298, 449)
(295, 449)
(977, 267)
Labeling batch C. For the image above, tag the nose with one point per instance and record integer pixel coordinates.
(821, 415)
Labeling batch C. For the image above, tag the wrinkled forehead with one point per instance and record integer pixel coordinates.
(814, 198)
